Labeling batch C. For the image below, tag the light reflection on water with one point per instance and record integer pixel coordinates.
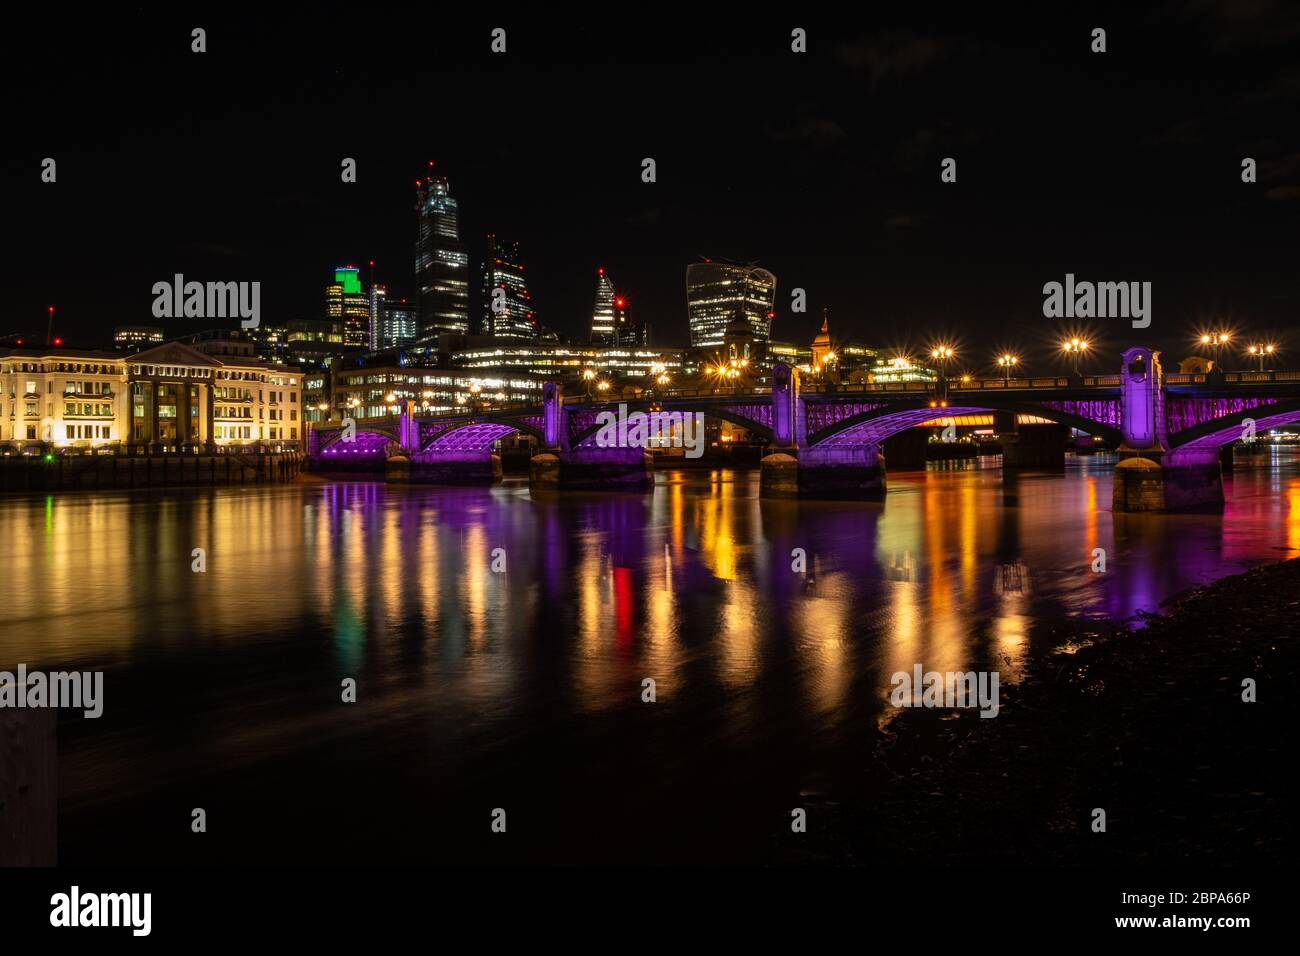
(460, 667)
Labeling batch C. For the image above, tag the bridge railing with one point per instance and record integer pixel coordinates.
(1231, 378)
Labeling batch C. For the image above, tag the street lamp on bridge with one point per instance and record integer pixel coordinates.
(1007, 361)
(1217, 342)
(1075, 348)
(1260, 351)
(943, 355)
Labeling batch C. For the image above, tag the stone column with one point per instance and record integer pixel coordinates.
(779, 469)
(544, 467)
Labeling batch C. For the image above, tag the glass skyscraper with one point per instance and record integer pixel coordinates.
(441, 262)
(716, 291)
(502, 269)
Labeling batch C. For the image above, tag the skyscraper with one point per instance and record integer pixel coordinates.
(398, 325)
(378, 297)
(441, 262)
(603, 315)
(716, 291)
(347, 302)
(503, 270)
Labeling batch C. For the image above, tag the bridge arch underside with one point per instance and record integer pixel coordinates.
(1201, 443)
(874, 426)
(471, 439)
(364, 445)
(669, 414)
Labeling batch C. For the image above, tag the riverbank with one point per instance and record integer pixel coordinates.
(1148, 725)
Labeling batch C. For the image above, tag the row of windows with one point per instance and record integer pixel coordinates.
(82, 432)
(87, 409)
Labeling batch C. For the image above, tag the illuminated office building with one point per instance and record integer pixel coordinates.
(441, 262)
(603, 316)
(561, 361)
(378, 297)
(372, 386)
(717, 291)
(348, 304)
(132, 338)
(503, 282)
(398, 324)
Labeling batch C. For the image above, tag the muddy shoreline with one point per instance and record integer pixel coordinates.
(1147, 724)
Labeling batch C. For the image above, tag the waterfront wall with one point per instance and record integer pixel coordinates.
(26, 473)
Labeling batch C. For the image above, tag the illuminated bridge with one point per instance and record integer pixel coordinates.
(826, 441)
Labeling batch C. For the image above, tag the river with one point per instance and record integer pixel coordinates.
(500, 647)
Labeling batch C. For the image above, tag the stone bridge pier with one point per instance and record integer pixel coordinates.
(1149, 476)
(584, 466)
(795, 469)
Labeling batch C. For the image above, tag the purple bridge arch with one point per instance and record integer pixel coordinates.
(826, 441)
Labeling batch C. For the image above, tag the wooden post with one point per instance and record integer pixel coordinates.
(28, 786)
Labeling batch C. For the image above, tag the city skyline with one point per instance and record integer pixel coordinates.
(896, 255)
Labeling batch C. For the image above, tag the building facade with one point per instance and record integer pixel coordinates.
(373, 386)
(560, 361)
(164, 398)
(716, 291)
(441, 261)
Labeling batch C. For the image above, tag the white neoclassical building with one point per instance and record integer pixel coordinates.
(170, 397)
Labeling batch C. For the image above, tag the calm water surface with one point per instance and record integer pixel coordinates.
(522, 689)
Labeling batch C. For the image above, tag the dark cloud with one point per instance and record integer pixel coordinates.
(893, 55)
(1234, 26)
(1282, 193)
(817, 132)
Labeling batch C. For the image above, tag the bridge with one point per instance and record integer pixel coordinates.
(825, 441)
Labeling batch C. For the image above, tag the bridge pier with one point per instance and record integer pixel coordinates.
(591, 468)
(447, 468)
(839, 473)
(1178, 483)
(1150, 477)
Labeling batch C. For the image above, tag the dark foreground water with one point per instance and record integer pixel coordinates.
(523, 689)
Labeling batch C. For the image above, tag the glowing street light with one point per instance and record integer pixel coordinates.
(943, 355)
(1007, 361)
(1217, 341)
(603, 386)
(1075, 348)
(1260, 351)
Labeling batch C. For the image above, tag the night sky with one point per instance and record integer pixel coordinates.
(823, 167)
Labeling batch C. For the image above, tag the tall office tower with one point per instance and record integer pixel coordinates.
(378, 298)
(626, 330)
(716, 291)
(400, 325)
(503, 270)
(441, 262)
(604, 315)
(347, 302)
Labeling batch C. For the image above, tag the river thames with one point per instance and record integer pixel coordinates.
(521, 688)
